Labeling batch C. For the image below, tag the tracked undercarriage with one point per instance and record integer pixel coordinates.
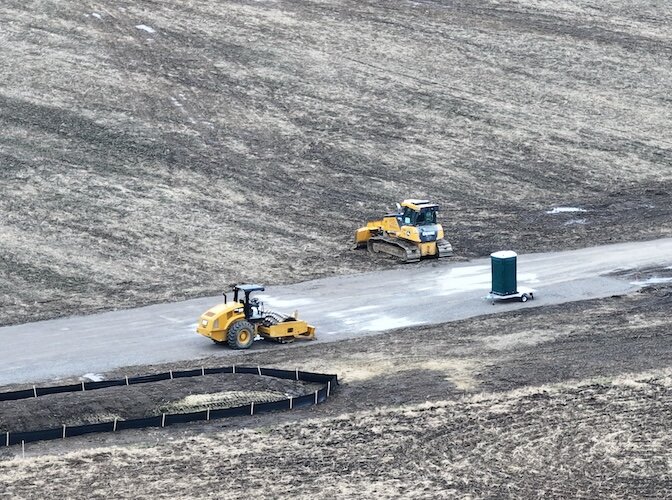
(405, 251)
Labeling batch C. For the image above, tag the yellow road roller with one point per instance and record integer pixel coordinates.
(237, 323)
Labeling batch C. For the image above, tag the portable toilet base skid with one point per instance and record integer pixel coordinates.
(504, 278)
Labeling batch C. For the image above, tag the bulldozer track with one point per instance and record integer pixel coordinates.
(404, 250)
(401, 249)
(328, 381)
(445, 248)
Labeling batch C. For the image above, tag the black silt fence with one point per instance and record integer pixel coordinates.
(329, 382)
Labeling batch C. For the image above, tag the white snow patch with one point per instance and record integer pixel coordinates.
(146, 28)
(564, 210)
(283, 304)
(386, 323)
(468, 271)
(362, 309)
(96, 15)
(92, 377)
(171, 320)
(651, 281)
(528, 278)
(176, 102)
(348, 313)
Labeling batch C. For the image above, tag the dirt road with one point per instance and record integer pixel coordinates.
(341, 307)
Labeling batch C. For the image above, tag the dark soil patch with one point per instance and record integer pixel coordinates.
(182, 395)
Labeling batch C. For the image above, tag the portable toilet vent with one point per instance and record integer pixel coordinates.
(504, 273)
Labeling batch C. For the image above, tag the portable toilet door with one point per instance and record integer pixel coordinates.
(503, 265)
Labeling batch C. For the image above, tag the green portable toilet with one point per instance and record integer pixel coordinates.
(504, 273)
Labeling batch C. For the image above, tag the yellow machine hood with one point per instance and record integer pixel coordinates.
(216, 318)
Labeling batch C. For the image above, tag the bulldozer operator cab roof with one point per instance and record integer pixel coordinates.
(418, 205)
(422, 214)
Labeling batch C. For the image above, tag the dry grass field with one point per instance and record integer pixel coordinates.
(156, 150)
(152, 151)
(572, 401)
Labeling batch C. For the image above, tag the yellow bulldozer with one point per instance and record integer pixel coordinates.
(410, 234)
(238, 323)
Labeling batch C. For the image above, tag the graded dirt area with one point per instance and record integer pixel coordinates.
(569, 401)
(152, 151)
(183, 395)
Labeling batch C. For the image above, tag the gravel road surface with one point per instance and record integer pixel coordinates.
(340, 307)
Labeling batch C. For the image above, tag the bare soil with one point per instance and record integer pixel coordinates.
(152, 151)
(182, 395)
(566, 401)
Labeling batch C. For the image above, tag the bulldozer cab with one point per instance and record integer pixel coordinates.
(251, 306)
(418, 213)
